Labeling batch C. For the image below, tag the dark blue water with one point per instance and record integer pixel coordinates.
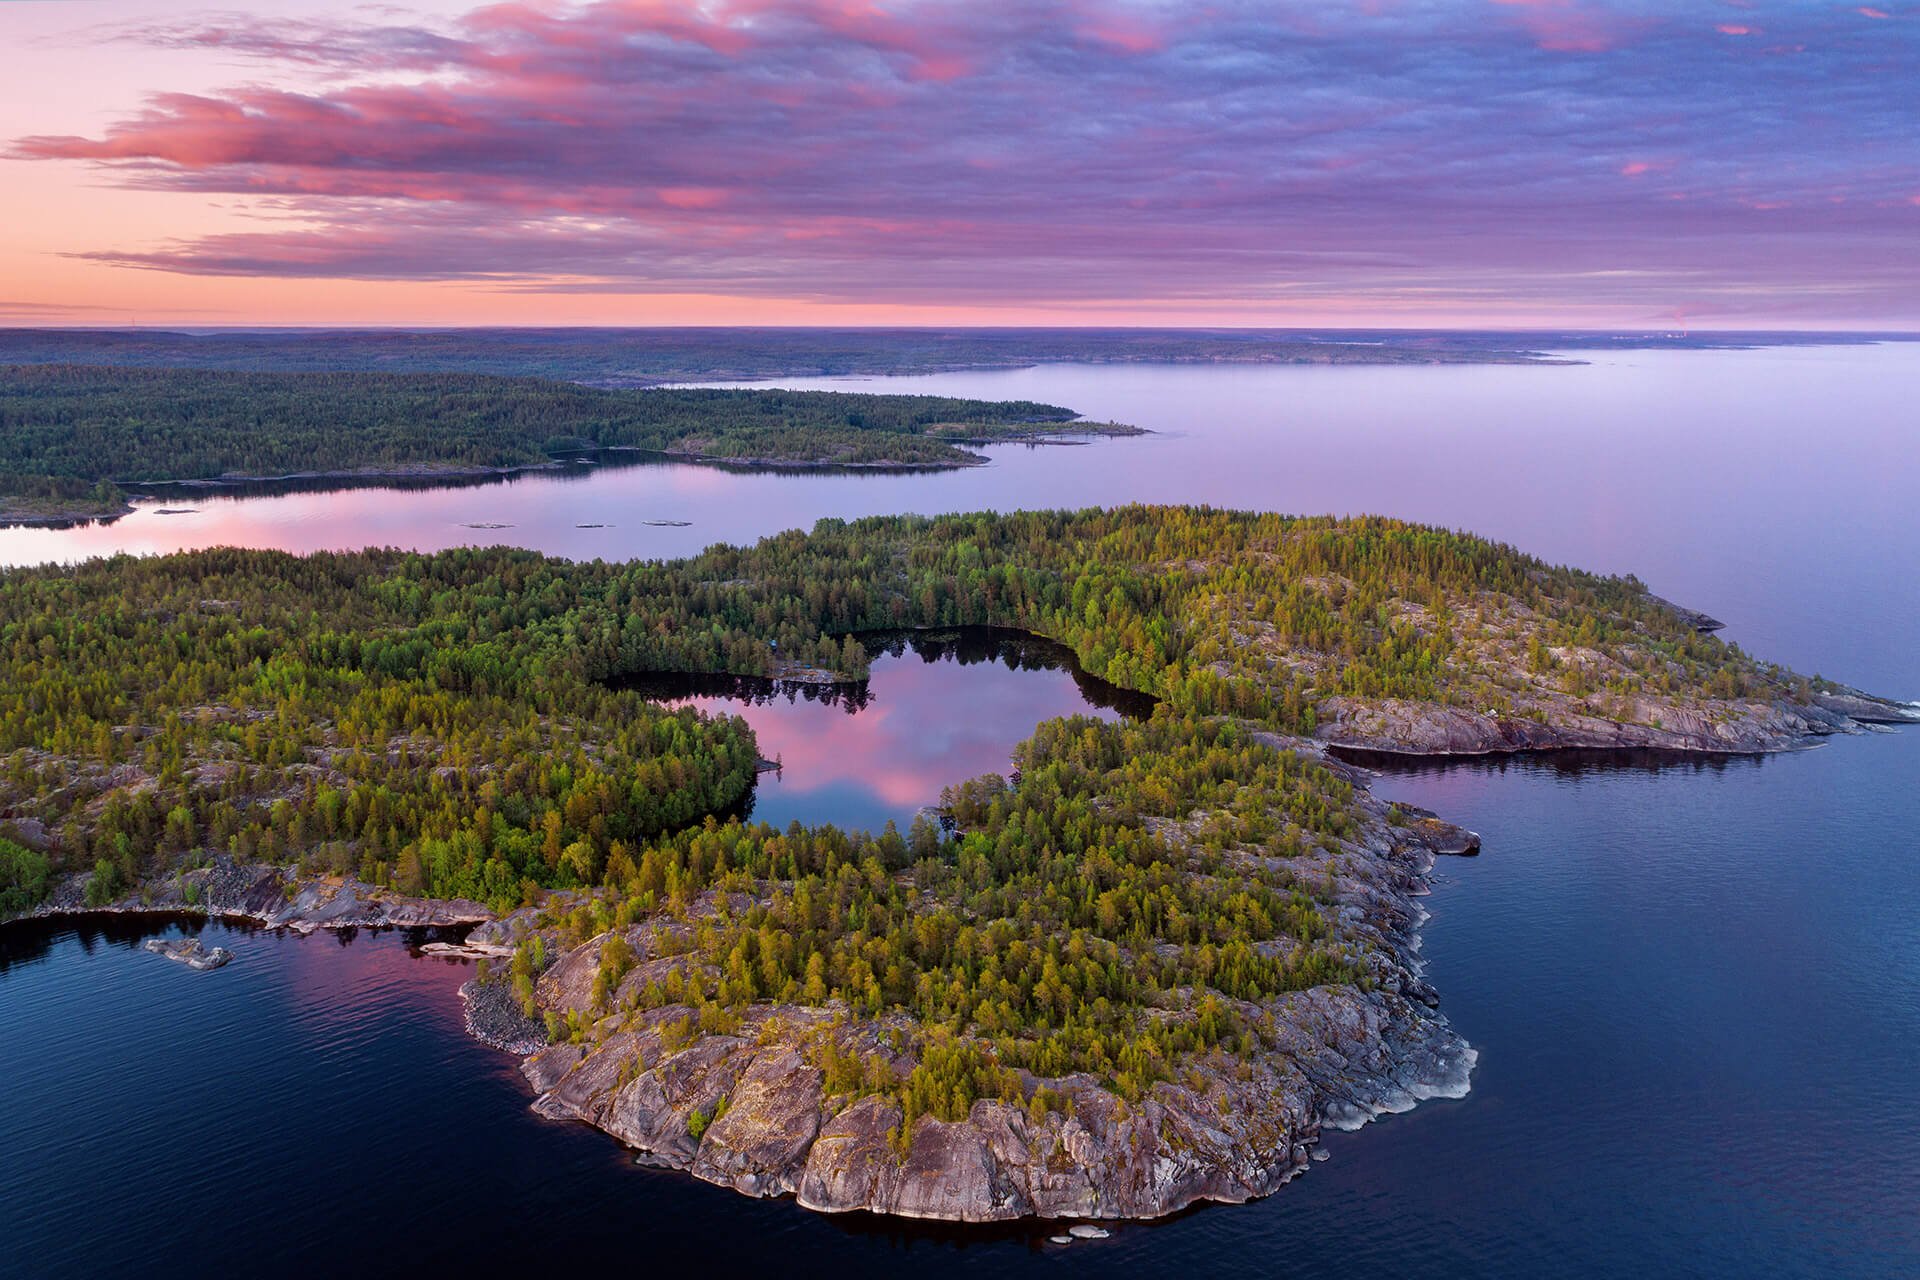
(1695, 989)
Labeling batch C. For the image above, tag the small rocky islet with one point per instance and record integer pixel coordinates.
(190, 952)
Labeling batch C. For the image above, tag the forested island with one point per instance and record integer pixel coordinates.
(645, 357)
(641, 357)
(1142, 970)
(74, 438)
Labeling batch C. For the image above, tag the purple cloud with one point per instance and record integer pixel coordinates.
(1755, 159)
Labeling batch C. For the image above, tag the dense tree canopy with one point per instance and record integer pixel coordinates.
(454, 725)
(69, 427)
(639, 356)
(24, 878)
(400, 705)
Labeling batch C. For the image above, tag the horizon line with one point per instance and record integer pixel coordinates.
(429, 327)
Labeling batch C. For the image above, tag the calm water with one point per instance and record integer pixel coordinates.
(1695, 989)
(1696, 994)
(938, 708)
(1777, 489)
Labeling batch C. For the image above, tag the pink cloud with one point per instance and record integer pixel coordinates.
(926, 152)
(1564, 26)
(692, 197)
(1118, 29)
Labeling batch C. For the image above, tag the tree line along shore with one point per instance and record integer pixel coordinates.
(74, 439)
(1139, 918)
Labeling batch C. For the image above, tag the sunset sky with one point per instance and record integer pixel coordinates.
(1486, 162)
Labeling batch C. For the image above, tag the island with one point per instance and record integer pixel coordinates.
(191, 952)
(75, 440)
(630, 357)
(1146, 968)
(646, 357)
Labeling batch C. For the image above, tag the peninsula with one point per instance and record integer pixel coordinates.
(1145, 969)
(74, 439)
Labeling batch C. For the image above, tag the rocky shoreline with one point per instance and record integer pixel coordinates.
(1426, 730)
(276, 897)
(752, 463)
(493, 1017)
(418, 471)
(77, 517)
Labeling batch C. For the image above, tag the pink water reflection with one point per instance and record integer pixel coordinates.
(946, 708)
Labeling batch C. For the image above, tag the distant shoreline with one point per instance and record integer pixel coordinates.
(644, 357)
(85, 437)
(80, 515)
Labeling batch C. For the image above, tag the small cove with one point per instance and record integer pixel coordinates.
(939, 707)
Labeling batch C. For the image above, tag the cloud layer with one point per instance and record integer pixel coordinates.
(1459, 157)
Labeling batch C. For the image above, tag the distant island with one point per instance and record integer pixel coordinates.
(1145, 969)
(74, 439)
(645, 357)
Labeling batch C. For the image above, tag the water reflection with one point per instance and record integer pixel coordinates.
(938, 708)
(24, 942)
(566, 468)
(1696, 470)
(1572, 762)
(29, 940)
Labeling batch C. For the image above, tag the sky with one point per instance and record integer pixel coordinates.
(1490, 163)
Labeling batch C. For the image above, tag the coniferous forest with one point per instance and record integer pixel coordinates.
(71, 434)
(450, 725)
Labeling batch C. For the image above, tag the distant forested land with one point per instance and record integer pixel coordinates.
(637, 357)
(65, 430)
